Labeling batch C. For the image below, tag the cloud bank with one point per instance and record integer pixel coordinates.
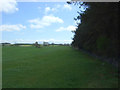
(8, 6)
(45, 21)
(16, 27)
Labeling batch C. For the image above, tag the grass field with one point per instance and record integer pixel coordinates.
(54, 67)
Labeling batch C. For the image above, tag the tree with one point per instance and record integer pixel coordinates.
(37, 45)
(98, 30)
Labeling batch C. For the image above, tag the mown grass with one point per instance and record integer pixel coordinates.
(54, 67)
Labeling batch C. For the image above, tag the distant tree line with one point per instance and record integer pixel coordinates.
(66, 44)
(98, 31)
(34, 44)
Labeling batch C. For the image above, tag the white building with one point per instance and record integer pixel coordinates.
(45, 43)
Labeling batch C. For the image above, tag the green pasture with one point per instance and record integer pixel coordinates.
(54, 67)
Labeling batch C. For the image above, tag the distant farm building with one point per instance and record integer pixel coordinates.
(45, 43)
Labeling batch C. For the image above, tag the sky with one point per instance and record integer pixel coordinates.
(28, 22)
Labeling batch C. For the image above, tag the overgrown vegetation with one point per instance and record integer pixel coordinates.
(98, 30)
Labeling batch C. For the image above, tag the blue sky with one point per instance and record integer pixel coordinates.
(27, 22)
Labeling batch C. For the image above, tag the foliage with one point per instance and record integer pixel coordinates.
(98, 30)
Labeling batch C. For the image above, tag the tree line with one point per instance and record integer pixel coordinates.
(98, 31)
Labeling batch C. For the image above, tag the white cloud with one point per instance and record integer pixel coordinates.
(16, 27)
(69, 28)
(66, 6)
(48, 9)
(8, 6)
(55, 8)
(45, 21)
